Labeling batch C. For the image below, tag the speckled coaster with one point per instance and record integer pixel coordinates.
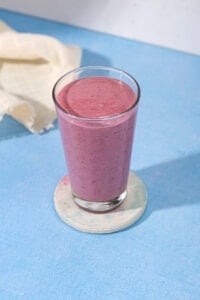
(121, 217)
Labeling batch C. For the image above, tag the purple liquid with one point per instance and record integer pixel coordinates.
(97, 150)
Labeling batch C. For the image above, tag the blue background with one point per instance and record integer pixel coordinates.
(158, 257)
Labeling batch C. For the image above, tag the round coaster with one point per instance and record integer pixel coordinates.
(121, 217)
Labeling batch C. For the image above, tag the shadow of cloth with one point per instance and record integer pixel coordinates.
(90, 58)
(172, 184)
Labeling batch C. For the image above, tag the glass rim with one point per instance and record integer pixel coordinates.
(97, 68)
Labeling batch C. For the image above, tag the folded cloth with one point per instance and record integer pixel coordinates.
(30, 64)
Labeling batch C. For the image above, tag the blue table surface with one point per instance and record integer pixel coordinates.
(158, 257)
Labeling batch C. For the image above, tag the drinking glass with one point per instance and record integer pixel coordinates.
(97, 150)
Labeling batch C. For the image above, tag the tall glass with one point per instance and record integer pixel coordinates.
(97, 150)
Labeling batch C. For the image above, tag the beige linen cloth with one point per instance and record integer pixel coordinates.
(30, 64)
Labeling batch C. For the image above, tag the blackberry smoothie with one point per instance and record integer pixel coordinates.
(97, 118)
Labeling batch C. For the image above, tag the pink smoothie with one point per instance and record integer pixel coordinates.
(97, 135)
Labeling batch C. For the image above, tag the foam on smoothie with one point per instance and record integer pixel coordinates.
(95, 97)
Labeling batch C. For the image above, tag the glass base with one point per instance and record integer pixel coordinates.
(100, 206)
(125, 215)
